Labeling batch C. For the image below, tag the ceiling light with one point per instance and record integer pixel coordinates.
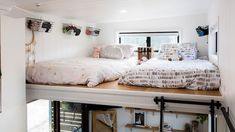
(37, 4)
(123, 11)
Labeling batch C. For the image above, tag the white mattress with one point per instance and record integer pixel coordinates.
(191, 74)
(74, 71)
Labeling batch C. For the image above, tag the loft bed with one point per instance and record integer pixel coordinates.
(156, 73)
(77, 80)
(114, 94)
(110, 93)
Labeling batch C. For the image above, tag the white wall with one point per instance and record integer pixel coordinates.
(225, 10)
(185, 24)
(56, 45)
(38, 116)
(213, 20)
(13, 116)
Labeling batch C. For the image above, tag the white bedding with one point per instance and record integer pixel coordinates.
(191, 74)
(74, 71)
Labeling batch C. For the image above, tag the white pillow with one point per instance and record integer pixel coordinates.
(111, 52)
(188, 51)
(128, 50)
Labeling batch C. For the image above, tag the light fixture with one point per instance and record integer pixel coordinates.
(123, 11)
(38, 4)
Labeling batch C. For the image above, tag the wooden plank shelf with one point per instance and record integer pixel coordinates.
(174, 130)
(152, 128)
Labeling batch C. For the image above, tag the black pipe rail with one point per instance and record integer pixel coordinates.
(227, 119)
(56, 107)
(212, 105)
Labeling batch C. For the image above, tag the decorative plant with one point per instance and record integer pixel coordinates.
(195, 125)
(70, 107)
(187, 127)
(202, 118)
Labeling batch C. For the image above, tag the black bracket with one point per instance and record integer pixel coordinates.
(212, 113)
(228, 110)
(162, 109)
(227, 119)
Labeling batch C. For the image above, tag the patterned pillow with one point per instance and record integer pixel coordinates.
(188, 51)
(169, 52)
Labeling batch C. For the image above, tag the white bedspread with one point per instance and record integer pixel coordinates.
(90, 71)
(194, 74)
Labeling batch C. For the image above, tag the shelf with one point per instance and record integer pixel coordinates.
(152, 128)
(174, 130)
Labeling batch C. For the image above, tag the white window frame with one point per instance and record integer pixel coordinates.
(146, 33)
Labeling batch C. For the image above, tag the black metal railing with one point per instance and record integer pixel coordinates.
(227, 119)
(212, 105)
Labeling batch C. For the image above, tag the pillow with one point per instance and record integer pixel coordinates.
(128, 50)
(111, 52)
(188, 51)
(96, 52)
(169, 52)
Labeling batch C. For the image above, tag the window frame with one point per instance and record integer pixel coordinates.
(216, 43)
(148, 36)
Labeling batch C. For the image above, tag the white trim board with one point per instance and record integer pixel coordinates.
(124, 98)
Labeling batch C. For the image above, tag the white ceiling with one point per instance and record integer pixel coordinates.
(110, 10)
(11, 3)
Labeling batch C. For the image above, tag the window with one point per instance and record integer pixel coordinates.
(148, 39)
(138, 41)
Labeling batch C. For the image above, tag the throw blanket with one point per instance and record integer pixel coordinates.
(191, 74)
(90, 71)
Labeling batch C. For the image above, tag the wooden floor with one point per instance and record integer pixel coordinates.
(116, 86)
